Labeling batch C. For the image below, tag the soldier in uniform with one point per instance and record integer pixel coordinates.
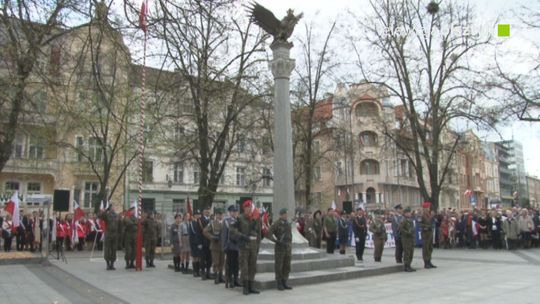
(280, 233)
(196, 242)
(206, 258)
(360, 233)
(407, 233)
(176, 242)
(230, 246)
(379, 234)
(330, 230)
(248, 232)
(130, 237)
(150, 236)
(112, 223)
(426, 225)
(397, 218)
(213, 233)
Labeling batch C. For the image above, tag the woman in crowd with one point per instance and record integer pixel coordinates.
(185, 251)
(343, 231)
(526, 226)
(80, 227)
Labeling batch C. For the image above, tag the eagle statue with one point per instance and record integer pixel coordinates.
(280, 30)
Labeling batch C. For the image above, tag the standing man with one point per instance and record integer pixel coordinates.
(130, 237)
(196, 242)
(397, 218)
(330, 230)
(280, 233)
(248, 232)
(206, 252)
(407, 232)
(360, 233)
(213, 233)
(426, 226)
(379, 234)
(150, 236)
(230, 246)
(511, 230)
(112, 223)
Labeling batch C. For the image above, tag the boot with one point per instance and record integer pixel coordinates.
(186, 268)
(229, 283)
(279, 285)
(246, 288)
(408, 268)
(152, 263)
(108, 265)
(148, 264)
(216, 279)
(132, 265)
(220, 277)
(284, 283)
(127, 265)
(204, 275)
(112, 265)
(236, 282)
(195, 269)
(252, 289)
(426, 265)
(431, 265)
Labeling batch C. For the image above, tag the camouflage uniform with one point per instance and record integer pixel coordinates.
(130, 237)
(150, 235)
(426, 226)
(248, 233)
(111, 237)
(213, 233)
(379, 237)
(407, 233)
(281, 234)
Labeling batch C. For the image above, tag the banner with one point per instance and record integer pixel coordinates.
(390, 242)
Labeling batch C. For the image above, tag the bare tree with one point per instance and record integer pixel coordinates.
(27, 30)
(214, 51)
(421, 55)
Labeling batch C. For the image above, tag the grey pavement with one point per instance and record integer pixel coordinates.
(463, 276)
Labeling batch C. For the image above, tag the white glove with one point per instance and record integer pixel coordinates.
(357, 240)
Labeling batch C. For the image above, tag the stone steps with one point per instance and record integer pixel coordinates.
(267, 280)
(309, 265)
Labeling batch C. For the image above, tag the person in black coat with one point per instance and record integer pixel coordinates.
(495, 227)
(343, 231)
(359, 225)
(196, 239)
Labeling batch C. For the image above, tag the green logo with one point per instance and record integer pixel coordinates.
(503, 30)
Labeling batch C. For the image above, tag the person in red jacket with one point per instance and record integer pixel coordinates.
(69, 233)
(80, 225)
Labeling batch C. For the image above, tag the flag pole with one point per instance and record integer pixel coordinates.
(138, 256)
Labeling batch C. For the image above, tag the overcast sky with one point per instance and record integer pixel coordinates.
(488, 11)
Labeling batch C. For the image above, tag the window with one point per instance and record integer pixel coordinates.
(148, 171)
(404, 167)
(12, 186)
(267, 177)
(196, 174)
(369, 167)
(39, 101)
(317, 173)
(370, 195)
(35, 148)
(33, 188)
(366, 109)
(179, 132)
(90, 194)
(178, 205)
(241, 145)
(79, 145)
(179, 172)
(240, 176)
(339, 168)
(19, 146)
(95, 149)
(368, 139)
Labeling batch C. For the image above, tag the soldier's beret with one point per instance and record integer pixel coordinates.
(407, 209)
(398, 206)
(283, 211)
(247, 203)
(218, 211)
(426, 204)
(232, 208)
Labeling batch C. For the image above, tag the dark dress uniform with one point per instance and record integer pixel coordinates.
(379, 238)
(206, 258)
(212, 232)
(248, 232)
(360, 233)
(196, 243)
(175, 243)
(150, 237)
(230, 246)
(330, 226)
(407, 232)
(281, 234)
(112, 223)
(130, 237)
(396, 222)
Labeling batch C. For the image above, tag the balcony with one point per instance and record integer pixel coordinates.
(31, 166)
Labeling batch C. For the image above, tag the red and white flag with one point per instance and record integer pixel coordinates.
(12, 207)
(334, 207)
(142, 15)
(189, 208)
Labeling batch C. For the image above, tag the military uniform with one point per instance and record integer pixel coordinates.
(176, 245)
(281, 234)
(130, 237)
(196, 243)
(396, 221)
(379, 237)
(426, 226)
(111, 237)
(213, 233)
(407, 232)
(230, 247)
(360, 232)
(248, 232)
(206, 258)
(150, 236)
(330, 226)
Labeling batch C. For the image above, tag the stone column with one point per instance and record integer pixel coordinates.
(282, 66)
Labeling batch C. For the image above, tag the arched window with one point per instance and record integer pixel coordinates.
(369, 167)
(370, 195)
(368, 139)
(366, 109)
